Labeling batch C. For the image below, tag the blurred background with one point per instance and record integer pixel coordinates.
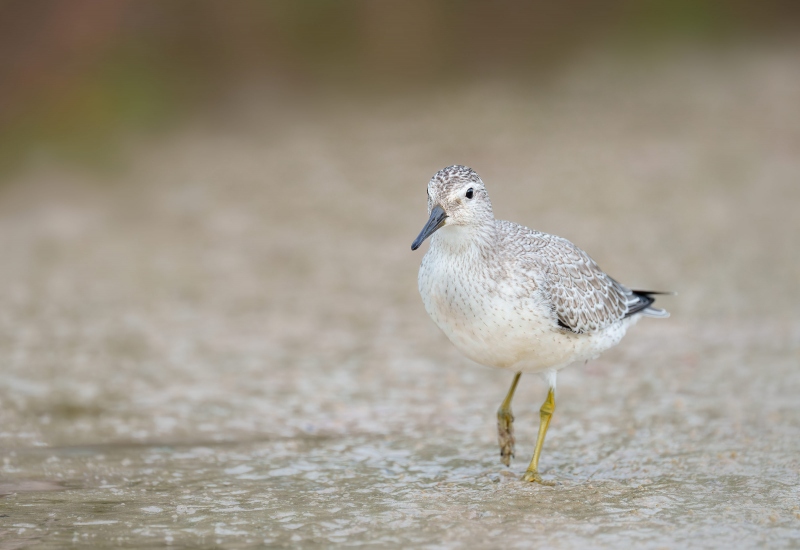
(206, 211)
(77, 73)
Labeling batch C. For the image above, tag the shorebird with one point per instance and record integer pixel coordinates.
(513, 298)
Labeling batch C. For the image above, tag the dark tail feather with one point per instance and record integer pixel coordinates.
(645, 300)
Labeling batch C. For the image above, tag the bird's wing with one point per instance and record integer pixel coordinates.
(583, 298)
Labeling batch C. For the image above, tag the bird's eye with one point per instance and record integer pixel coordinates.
(469, 193)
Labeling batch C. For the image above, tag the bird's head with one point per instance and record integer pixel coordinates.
(457, 198)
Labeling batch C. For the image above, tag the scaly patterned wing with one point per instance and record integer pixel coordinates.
(583, 297)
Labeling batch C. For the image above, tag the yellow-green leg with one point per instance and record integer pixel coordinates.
(505, 425)
(545, 414)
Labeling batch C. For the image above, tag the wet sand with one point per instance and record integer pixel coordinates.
(223, 344)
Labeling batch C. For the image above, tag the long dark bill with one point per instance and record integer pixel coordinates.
(434, 222)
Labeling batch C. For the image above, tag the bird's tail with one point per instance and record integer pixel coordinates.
(645, 300)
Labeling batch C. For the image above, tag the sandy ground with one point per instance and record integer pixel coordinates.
(223, 345)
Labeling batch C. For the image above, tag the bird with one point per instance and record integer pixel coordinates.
(514, 298)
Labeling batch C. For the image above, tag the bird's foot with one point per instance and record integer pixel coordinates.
(534, 477)
(505, 435)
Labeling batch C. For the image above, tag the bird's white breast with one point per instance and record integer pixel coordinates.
(496, 317)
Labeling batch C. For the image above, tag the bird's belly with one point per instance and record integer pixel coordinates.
(530, 346)
(513, 334)
(490, 330)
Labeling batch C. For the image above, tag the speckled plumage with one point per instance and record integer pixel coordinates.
(514, 298)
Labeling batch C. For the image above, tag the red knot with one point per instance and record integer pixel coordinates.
(513, 298)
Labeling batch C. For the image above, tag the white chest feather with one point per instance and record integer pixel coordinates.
(498, 317)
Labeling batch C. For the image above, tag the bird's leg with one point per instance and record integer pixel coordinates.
(545, 414)
(505, 424)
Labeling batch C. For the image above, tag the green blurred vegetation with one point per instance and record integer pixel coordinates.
(76, 74)
(123, 93)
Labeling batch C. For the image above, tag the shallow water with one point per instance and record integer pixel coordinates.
(223, 346)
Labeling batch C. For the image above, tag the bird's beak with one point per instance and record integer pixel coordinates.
(438, 216)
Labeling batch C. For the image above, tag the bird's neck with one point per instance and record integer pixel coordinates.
(465, 239)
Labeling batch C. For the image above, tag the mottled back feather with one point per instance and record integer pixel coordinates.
(582, 297)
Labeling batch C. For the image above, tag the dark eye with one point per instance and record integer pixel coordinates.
(469, 193)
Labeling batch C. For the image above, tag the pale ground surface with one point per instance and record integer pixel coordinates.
(225, 347)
